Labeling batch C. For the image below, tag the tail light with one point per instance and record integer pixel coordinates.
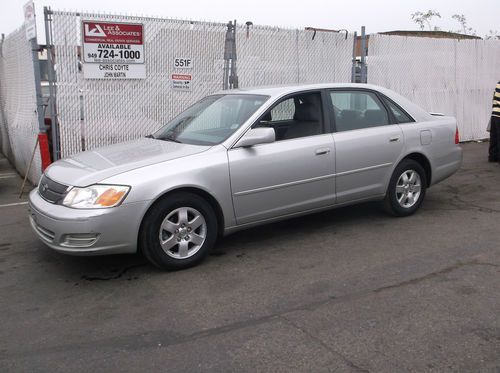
(457, 136)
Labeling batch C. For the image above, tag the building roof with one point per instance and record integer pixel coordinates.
(430, 34)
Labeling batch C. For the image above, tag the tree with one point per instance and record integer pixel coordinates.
(422, 19)
(460, 18)
(493, 34)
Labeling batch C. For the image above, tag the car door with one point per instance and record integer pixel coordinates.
(367, 144)
(293, 174)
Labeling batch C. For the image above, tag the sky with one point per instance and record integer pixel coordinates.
(376, 15)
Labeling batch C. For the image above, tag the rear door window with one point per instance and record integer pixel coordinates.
(357, 110)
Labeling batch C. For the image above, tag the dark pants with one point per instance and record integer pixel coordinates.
(494, 150)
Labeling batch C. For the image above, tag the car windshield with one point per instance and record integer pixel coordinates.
(211, 120)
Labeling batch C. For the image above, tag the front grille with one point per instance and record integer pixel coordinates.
(51, 190)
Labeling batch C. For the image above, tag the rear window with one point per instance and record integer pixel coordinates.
(400, 115)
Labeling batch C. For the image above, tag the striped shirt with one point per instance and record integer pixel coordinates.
(496, 101)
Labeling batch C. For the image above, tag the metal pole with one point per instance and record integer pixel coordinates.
(363, 55)
(35, 48)
(227, 55)
(226, 75)
(297, 55)
(56, 152)
(234, 77)
(353, 72)
(29, 167)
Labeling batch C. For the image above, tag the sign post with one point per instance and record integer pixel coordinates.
(113, 50)
(54, 122)
(30, 27)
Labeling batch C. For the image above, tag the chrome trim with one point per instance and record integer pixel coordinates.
(79, 242)
(364, 169)
(305, 181)
(285, 185)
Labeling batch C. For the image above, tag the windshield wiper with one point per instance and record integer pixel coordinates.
(149, 136)
(169, 138)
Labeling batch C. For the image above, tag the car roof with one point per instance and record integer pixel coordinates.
(281, 90)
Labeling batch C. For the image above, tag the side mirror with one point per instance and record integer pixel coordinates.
(262, 135)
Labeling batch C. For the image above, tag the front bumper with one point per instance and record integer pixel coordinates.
(86, 232)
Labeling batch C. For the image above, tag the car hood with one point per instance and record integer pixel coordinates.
(93, 166)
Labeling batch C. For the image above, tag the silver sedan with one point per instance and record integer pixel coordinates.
(242, 158)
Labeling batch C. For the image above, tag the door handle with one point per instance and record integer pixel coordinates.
(322, 151)
(394, 139)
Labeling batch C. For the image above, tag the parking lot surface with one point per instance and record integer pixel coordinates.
(348, 290)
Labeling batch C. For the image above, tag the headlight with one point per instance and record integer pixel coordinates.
(96, 196)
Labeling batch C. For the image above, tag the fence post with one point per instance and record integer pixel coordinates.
(227, 55)
(230, 75)
(363, 55)
(353, 71)
(40, 107)
(233, 78)
(35, 49)
(56, 149)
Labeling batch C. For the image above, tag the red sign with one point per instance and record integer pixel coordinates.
(112, 33)
(181, 77)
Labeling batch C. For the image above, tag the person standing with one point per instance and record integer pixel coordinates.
(494, 149)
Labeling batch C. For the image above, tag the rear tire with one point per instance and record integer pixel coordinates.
(406, 190)
(178, 231)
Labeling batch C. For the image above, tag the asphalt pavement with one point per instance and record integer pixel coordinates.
(348, 290)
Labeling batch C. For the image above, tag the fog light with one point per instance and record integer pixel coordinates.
(79, 239)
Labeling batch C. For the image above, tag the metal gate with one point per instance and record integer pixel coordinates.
(96, 112)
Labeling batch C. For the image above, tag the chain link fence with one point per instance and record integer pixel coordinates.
(454, 77)
(96, 112)
(273, 56)
(442, 75)
(18, 110)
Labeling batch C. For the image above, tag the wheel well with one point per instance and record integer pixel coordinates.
(424, 162)
(205, 195)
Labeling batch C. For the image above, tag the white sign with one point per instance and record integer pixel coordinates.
(113, 53)
(29, 20)
(113, 50)
(183, 63)
(181, 82)
(113, 71)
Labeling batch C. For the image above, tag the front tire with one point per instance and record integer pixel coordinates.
(178, 232)
(406, 189)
